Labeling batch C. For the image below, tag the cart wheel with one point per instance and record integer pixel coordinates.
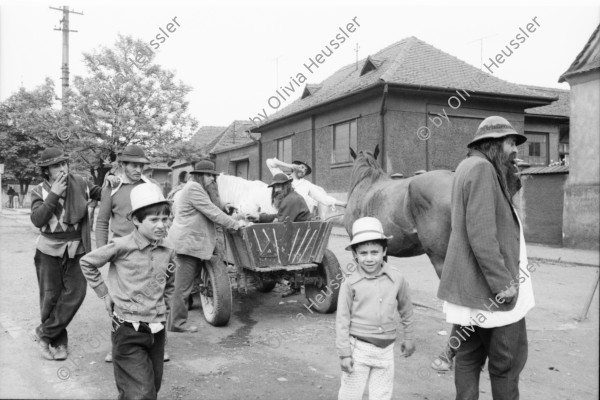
(264, 285)
(215, 293)
(324, 299)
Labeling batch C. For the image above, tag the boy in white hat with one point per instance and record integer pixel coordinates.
(137, 293)
(367, 316)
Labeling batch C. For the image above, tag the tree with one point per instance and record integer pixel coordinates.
(126, 99)
(26, 120)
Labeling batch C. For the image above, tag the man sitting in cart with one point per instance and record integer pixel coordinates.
(286, 201)
(312, 194)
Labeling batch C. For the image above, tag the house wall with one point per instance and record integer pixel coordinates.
(541, 208)
(225, 161)
(162, 177)
(581, 217)
(177, 170)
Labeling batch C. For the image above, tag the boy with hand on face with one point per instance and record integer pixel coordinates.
(137, 293)
(368, 306)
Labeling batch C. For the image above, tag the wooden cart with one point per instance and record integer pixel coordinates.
(292, 252)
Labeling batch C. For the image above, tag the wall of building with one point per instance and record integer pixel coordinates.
(225, 161)
(177, 169)
(541, 208)
(581, 220)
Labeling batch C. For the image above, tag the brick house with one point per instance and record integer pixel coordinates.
(236, 152)
(406, 90)
(205, 139)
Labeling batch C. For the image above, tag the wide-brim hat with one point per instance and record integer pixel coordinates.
(495, 128)
(51, 156)
(366, 229)
(279, 179)
(205, 167)
(308, 168)
(133, 153)
(144, 195)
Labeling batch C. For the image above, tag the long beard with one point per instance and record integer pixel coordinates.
(513, 179)
(277, 199)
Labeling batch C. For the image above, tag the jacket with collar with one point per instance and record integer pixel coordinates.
(292, 206)
(483, 251)
(193, 232)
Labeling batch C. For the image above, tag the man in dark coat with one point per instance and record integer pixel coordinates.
(481, 276)
(286, 201)
(59, 209)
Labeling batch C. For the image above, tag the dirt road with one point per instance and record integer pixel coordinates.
(275, 348)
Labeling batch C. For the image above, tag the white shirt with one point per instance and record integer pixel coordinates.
(465, 316)
(311, 193)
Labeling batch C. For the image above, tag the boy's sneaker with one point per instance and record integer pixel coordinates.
(166, 357)
(108, 357)
(45, 350)
(61, 352)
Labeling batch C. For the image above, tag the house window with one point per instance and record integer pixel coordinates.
(535, 150)
(344, 137)
(284, 150)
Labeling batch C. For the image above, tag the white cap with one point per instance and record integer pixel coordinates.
(366, 229)
(144, 195)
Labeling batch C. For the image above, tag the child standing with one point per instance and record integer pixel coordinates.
(136, 295)
(367, 316)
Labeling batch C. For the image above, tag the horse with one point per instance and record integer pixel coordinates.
(415, 211)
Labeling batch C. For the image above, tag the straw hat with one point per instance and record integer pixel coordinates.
(366, 229)
(144, 195)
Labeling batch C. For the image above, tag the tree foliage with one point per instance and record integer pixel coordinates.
(125, 99)
(26, 121)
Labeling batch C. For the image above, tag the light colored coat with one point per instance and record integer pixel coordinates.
(193, 232)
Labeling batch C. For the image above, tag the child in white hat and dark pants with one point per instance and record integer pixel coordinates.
(139, 286)
(369, 302)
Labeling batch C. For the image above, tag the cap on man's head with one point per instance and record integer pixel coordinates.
(308, 168)
(51, 156)
(366, 229)
(144, 195)
(133, 153)
(496, 128)
(279, 179)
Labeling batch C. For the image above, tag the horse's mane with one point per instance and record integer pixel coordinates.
(365, 167)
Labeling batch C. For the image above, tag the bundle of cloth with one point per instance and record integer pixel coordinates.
(247, 196)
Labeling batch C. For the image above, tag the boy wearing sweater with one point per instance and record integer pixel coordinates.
(139, 286)
(369, 302)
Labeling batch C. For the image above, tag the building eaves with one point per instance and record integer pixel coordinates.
(587, 60)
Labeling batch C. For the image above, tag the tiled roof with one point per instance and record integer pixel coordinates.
(234, 136)
(587, 60)
(558, 108)
(408, 62)
(206, 134)
(556, 169)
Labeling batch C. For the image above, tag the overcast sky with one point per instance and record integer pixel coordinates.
(236, 56)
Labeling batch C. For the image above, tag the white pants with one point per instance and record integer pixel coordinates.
(372, 364)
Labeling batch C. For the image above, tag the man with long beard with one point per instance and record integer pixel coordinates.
(486, 295)
(286, 201)
(194, 237)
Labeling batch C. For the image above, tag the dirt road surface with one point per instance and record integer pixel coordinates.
(275, 348)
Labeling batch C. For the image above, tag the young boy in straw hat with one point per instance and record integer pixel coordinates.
(367, 316)
(137, 293)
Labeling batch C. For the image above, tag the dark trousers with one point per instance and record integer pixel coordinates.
(188, 268)
(62, 290)
(137, 360)
(506, 349)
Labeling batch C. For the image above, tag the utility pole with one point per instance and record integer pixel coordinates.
(65, 48)
(356, 51)
(277, 71)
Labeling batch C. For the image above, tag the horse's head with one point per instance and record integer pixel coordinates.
(365, 167)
